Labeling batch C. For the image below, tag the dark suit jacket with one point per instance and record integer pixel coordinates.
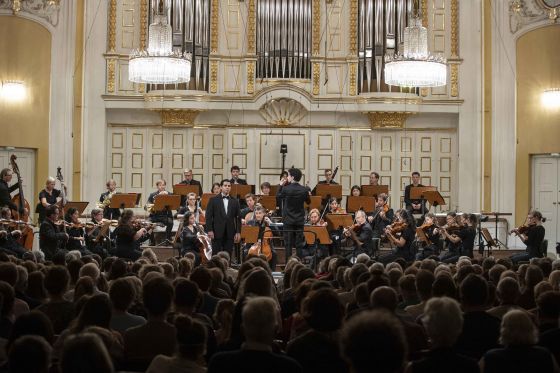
(408, 202)
(109, 213)
(192, 182)
(314, 191)
(217, 221)
(292, 197)
(50, 238)
(5, 197)
(239, 181)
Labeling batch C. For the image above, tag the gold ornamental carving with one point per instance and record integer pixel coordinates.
(424, 92)
(316, 27)
(251, 28)
(213, 76)
(425, 13)
(454, 29)
(316, 77)
(143, 23)
(454, 80)
(112, 25)
(353, 27)
(214, 27)
(111, 67)
(387, 119)
(353, 72)
(250, 77)
(179, 117)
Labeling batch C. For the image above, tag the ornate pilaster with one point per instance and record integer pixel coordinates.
(251, 49)
(112, 25)
(316, 77)
(353, 48)
(111, 67)
(316, 27)
(454, 80)
(454, 29)
(143, 23)
(213, 76)
(251, 76)
(353, 69)
(214, 26)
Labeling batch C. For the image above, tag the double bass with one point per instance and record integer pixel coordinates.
(26, 239)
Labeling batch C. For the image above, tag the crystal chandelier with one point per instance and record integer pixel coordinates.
(416, 67)
(159, 64)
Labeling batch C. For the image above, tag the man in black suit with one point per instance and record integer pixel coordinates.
(235, 170)
(5, 190)
(415, 206)
(223, 219)
(188, 180)
(328, 179)
(293, 196)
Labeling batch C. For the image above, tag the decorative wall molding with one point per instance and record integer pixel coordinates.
(251, 76)
(387, 119)
(316, 76)
(528, 13)
(353, 74)
(454, 80)
(283, 112)
(37, 8)
(454, 29)
(179, 117)
(143, 23)
(213, 76)
(353, 47)
(112, 26)
(215, 14)
(111, 66)
(251, 28)
(316, 28)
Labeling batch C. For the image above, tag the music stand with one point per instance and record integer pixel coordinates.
(125, 200)
(337, 221)
(274, 189)
(496, 214)
(268, 202)
(316, 233)
(249, 233)
(490, 243)
(434, 198)
(165, 203)
(80, 206)
(327, 191)
(205, 198)
(184, 189)
(419, 193)
(315, 203)
(374, 190)
(355, 203)
(239, 190)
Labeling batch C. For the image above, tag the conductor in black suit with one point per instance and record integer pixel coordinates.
(223, 219)
(188, 180)
(235, 170)
(293, 196)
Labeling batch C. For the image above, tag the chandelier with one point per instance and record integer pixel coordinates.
(416, 67)
(159, 64)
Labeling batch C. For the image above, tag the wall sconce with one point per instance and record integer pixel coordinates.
(12, 90)
(550, 98)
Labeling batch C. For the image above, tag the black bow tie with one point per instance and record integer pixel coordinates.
(225, 197)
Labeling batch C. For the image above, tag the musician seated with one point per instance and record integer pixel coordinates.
(265, 188)
(165, 216)
(532, 234)
(247, 213)
(100, 245)
(216, 188)
(189, 239)
(381, 217)
(453, 249)
(76, 233)
(314, 220)
(261, 220)
(334, 207)
(461, 239)
(356, 191)
(401, 234)
(10, 234)
(432, 233)
(129, 236)
(360, 234)
(51, 237)
(190, 206)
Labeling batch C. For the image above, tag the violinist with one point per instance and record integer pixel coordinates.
(76, 233)
(355, 191)
(382, 216)
(129, 237)
(261, 220)
(361, 234)
(51, 238)
(9, 235)
(431, 232)
(189, 239)
(190, 206)
(216, 188)
(532, 234)
(314, 219)
(400, 234)
(105, 201)
(95, 243)
(334, 207)
(5, 190)
(265, 188)
(247, 213)
(453, 248)
(165, 217)
(463, 238)
(48, 196)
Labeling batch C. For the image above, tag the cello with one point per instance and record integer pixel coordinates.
(262, 246)
(26, 239)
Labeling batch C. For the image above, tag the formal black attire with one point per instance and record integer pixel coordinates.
(51, 200)
(165, 217)
(127, 247)
(10, 246)
(192, 182)
(74, 233)
(405, 252)
(480, 334)
(50, 238)
(364, 233)
(274, 259)
(293, 197)
(443, 360)
(95, 244)
(467, 235)
(535, 238)
(238, 181)
(317, 353)
(520, 359)
(323, 182)
(249, 361)
(108, 212)
(5, 196)
(190, 243)
(433, 247)
(224, 223)
(408, 202)
(453, 252)
(379, 223)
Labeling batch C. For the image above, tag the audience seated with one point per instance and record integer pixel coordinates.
(122, 294)
(30, 354)
(57, 309)
(85, 353)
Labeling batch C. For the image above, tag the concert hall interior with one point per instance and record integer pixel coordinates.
(415, 116)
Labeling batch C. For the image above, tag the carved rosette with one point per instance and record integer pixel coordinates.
(214, 27)
(251, 28)
(353, 48)
(387, 119)
(316, 77)
(353, 76)
(112, 25)
(316, 27)
(111, 67)
(179, 117)
(213, 76)
(143, 23)
(250, 77)
(454, 80)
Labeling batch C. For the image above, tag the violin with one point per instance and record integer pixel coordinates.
(450, 229)
(14, 223)
(148, 225)
(396, 227)
(351, 232)
(426, 226)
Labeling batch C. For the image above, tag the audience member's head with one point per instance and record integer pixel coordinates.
(384, 297)
(96, 311)
(548, 305)
(508, 291)
(85, 353)
(533, 276)
(518, 329)
(29, 354)
(157, 295)
(323, 310)
(443, 321)
(122, 294)
(444, 286)
(202, 277)
(56, 281)
(32, 323)
(474, 291)
(260, 320)
(424, 282)
(8, 297)
(187, 294)
(191, 338)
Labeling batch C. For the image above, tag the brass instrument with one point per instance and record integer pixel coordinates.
(106, 201)
(149, 207)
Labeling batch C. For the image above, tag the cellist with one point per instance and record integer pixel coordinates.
(189, 239)
(261, 220)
